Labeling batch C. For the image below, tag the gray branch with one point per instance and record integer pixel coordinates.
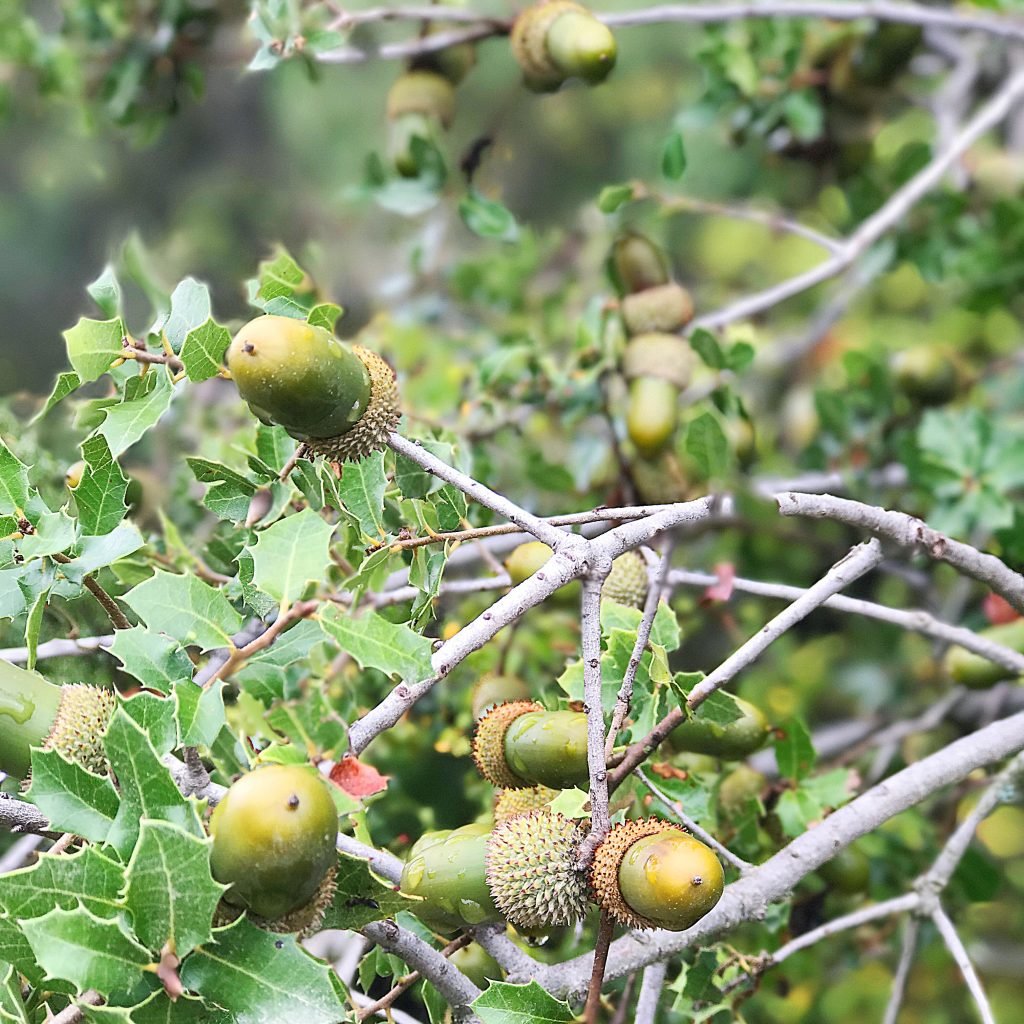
(959, 954)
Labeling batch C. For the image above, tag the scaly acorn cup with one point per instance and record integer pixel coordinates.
(658, 367)
(447, 869)
(557, 39)
(273, 844)
(531, 870)
(518, 745)
(976, 672)
(652, 874)
(666, 307)
(34, 712)
(731, 742)
(492, 689)
(636, 264)
(627, 582)
(510, 803)
(421, 105)
(341, 401)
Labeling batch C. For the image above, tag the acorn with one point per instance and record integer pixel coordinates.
(627, 582)
(555, 40)
(531, 870)
(73, 475)
(652, 874)
(510, 803)
(526, 559)
(659, 480)
(972, 670)
(636, 264)
(658, 367)
(34, 712)
(492, 689)
(740, 786)
(341, 401)
(274, 835)
(421, 105)
(928, 374)
(477, 965)
(519, 744)
(732, 742)
(453, 62)
(848, 872)
(666, 307)
(447, 869)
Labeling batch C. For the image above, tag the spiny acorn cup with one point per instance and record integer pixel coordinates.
(627, 582)
(447, 869)
(531, 870)
(557, 39)
(651, 874)
(341, 400)
(518, 744)
(274, 835)
(658, 367)
(732, 742)
(636, 264)
(510, 803)
(34, 712)
(666, 307)
(972, 670)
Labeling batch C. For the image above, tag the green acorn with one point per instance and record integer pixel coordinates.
(849, 871)
(972, 670)
(651, 874)
(274, 835)
(666, 307)
(740, 786)
(447, 869)
(732, 742)
(627, 582)
(928, 374)
(421, 105)
(658, 367)
(526, 559)
(70, 719)
(519, 744)
(341, 401)
(557, 39)
(510, 803)
(531, 870)
(636, 264)
(492, 689)
(659, 480)
(477, 965)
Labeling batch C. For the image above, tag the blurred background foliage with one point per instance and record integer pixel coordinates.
(134, 134)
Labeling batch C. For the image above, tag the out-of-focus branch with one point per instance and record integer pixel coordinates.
(956, 949)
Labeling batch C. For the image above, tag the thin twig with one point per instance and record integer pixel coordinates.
(908, 949)
(650, 993)
(959, 953)
(592, 1010)
(72, 1014)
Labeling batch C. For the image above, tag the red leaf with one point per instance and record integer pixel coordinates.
(722, 590)
(356, 778)
(999, 611)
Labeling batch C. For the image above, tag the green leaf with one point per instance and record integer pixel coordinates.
(673, 157)
(230, 494)
(170, 892)
(155, 717)
(362, 491)
(186, 608)
(153, 659)
(14, 485)
(361, 897)
(87, 950)
(794, 751)
(451, 507)
(614, 196)
(12, 600)
(96, 552)
(147, 788)
(12, 1006)
(488, 218)
(203, 350)
(707, 443)
(803, 113)
(705, 344)
(199, 712)
(67, 382)
(145, 400)
(73, 799)
(376, 643)
(99, 497)
(158, 1008)
(325, 315)
(190, 307)
(93, 345)
(502, 1003)
(259, 977)
(105, 291)
(720, 708)
(290, 554)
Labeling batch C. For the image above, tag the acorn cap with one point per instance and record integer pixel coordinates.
(652, 874)
(529, 40)
(656, 354)
(376, 424)
(510, 803)
(492, 689)
(422, 92)
(82, 718)
(627, 582)
(666, 307)
(531, 870)
(489, 743)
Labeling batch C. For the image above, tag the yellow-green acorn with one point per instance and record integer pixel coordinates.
(627, 582)
(274, 835)
(731, 742)
(666, 307)
(849, 871)
(477, 965)
(341, 400)
(510, 803)
(526, 559)
(448, 870)
(531, 870)
(970, 669)
(492, 689)
(929, 374)
(34, 712)
(519, 744)
(651, 874)
(636, 264)
(658, 367)
(421, 105)
(740, 786)
(557, 39)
